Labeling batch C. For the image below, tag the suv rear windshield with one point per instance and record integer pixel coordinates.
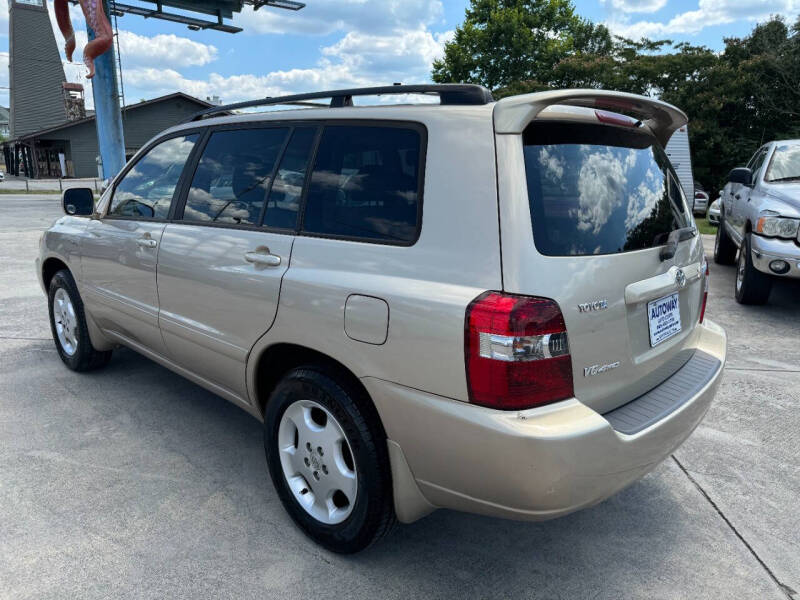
(598, 189)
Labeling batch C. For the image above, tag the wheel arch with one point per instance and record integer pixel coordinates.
(274, 361)
(50, 267)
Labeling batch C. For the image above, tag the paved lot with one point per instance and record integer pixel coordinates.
(132, 482)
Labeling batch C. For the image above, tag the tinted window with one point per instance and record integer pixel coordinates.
(233, 175)
(147, 188)
(365, 184)
(284, 197)
(599, 190)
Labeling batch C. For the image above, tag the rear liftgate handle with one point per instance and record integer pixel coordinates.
(262, 257)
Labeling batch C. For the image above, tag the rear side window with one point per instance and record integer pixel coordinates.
(366, 184)
(233, 176)
(596, 189)
(146, 190)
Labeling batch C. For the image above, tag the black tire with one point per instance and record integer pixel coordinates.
(751, 285)
(84, 356)
(724, 248)
(372, 515)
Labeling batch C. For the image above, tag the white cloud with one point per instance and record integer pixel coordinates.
(402, 57)
(357, 60)
(325, 17)
(707, 14)
(635, 6)
(164, 49)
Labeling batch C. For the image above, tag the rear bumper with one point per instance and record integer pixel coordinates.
(533, 465)
(766, 250)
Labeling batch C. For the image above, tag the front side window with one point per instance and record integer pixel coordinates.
(233, 176)
(146, 190)
(758, 160)
(785, 164)
(595, 189)
(365, 184)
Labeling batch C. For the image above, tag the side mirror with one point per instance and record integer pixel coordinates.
(78, 202)
(721, 193)
(741, 175)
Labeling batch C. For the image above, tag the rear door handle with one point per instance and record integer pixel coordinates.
(147, 242)
(263, 259)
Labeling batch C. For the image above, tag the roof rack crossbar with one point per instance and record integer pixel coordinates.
(449, 94)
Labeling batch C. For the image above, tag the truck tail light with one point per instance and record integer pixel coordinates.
(517, 352)
(706, 277)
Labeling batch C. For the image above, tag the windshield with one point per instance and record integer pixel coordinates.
(785, 164)
(595, 189)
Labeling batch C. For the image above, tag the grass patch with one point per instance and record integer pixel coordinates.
(23, 192)
(705, 227)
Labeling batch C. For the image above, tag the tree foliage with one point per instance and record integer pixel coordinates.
(736, 100)
(503, 41)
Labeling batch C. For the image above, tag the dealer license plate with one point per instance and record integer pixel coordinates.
(664, 318)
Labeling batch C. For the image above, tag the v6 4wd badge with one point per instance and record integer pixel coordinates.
(598, 369)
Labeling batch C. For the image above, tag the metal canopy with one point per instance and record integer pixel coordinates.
(221, 9)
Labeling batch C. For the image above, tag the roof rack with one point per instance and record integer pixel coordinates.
(449, 94)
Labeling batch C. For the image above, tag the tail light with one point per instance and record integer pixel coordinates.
(517, 352)
(615, 119)
(706, 277)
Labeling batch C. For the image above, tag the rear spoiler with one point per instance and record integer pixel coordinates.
(512, 115)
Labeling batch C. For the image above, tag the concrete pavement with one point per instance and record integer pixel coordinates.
(132, 482)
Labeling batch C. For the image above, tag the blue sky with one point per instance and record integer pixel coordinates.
(344, 43)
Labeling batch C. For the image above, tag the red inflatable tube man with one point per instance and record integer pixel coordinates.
(96, 19)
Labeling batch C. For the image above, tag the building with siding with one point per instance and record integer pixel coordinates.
(35, 71)
(77, 140)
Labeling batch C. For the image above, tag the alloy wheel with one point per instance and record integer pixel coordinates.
(317, 461)
(66, 322)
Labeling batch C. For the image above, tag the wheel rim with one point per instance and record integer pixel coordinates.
(741, 267)
(317, 462)
(66, 322)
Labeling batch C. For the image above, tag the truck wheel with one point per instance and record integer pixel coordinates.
(328, 459)
(724, 248)
(752, 286)
(68, 324)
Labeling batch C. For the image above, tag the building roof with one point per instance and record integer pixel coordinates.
(130, 107)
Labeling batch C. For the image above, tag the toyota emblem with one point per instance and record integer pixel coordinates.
(680, 278)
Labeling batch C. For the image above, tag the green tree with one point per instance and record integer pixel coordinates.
(507, 41)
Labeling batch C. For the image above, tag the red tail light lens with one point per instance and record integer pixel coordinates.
(706, 277)
(517, 352)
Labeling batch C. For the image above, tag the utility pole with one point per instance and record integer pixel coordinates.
(110, 137)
